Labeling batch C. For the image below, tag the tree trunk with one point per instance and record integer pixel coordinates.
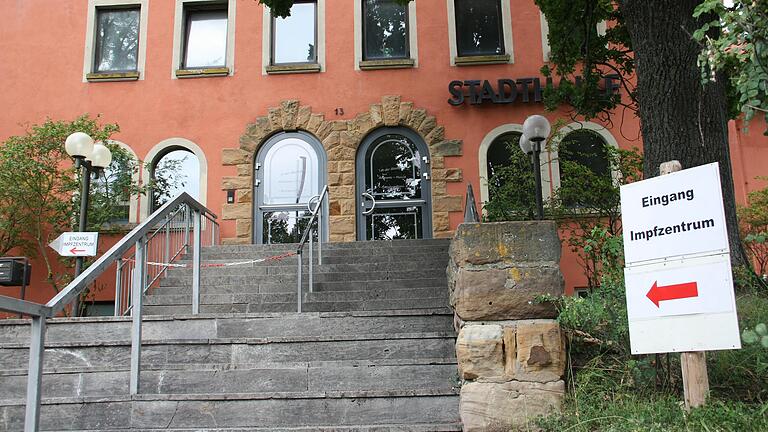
(679, 117)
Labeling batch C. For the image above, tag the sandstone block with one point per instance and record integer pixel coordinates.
(447, 148)
(334, 208)
(511, 242)
(243, 227)
(435, 136)
(342, 224)
(540, 351)
(362, 123)
(275, 119)
(234, 157)
(448, 203)
(440, 221)
(350, 139)
(339, 153)
(480, 352)
(510, 351)
(332, 140)
(334, 179)
(505, 407)
(391, 108)
(302, 117)
(438, 162)
(417, 117)
(347, 206)
(290, 110)
(244, 169)
(315, 120)
(427, 126)
(236, 241)
(244, 195)
(489, 293)
(377, 117)
(453, 175)
(346, 166)
(235, 182)
(405, 112)
(236, 211)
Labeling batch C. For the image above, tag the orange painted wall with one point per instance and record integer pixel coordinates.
(41, 58)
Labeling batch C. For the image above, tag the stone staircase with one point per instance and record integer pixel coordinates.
(375, 352)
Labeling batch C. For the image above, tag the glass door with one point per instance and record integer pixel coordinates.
(289, 174)
(393, 184)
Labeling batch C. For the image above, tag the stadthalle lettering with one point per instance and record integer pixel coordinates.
(508, 90)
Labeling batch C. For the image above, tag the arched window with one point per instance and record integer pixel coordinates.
(174, 172)
(506, 176)
(180, 166)
(585, 172)
(113, 190)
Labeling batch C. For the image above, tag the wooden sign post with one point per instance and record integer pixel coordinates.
(694, 364)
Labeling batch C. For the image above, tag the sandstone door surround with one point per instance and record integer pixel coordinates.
(340, 139)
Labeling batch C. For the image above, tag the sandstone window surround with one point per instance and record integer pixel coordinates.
(466, 36)
(156, 153)
(366, 59)
(198, 23)
(115, 40)
(341, 139)
(295, 44)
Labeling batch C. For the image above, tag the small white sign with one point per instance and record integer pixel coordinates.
(681, 287)
(675, 215)
(76, 244)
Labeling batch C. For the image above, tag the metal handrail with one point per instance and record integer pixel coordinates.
(309, 234)
(137, 238)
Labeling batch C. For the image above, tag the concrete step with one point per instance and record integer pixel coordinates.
(369, 245)
(166, 296)
(219, 252)
(351, 265)
(232, 279)
(328, 258)
(270, 411)
(264, 287)
(309, 306)
(220, 379)
(203, 327)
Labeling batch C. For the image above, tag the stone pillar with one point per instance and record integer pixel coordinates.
(510, 350)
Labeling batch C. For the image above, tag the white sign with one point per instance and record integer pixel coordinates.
(675, 215)
(680, 287)
(76, 244)
(678, 278)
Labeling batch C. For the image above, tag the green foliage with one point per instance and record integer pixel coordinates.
(581, 57)
(753, 226)
(511, 187)
(735, 42)
(756, 336)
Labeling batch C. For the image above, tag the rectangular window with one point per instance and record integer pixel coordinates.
(479, 28)
(294, 38)
(205, 36)
(116, 40)
(385, 30)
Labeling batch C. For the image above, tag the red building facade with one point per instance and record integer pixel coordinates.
(394, 105)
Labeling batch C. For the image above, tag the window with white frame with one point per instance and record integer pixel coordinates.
(204, 38)
(175, 165)
(584, 160)
(480, 31)
(600, 29)
(295, 43)
(115, 40)
(385, 34)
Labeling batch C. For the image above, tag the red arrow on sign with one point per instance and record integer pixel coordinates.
(672, 292)
(74, 251)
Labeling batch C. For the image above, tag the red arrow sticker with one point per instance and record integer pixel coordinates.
(74, 251)
(672, 292)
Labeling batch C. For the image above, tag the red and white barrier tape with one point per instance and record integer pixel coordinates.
(237, 263)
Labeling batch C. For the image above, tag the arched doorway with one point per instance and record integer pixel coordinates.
(174, 171)
(394, 199)
(289, 171)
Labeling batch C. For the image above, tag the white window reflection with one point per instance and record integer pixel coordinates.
(206, 39)
(176, 172)
(117, 40)
(295, 37)
(292, 174)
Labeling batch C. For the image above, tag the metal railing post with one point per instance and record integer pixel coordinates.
(196, 263)
(320, 234)
(137, 300)
(311, 258)
(213, 232)
(119, 288)
(298, 288)
(35, 374)
(187, 221)
(167, 256)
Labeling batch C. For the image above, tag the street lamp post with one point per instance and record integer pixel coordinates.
(90, 158)
(536, 129)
